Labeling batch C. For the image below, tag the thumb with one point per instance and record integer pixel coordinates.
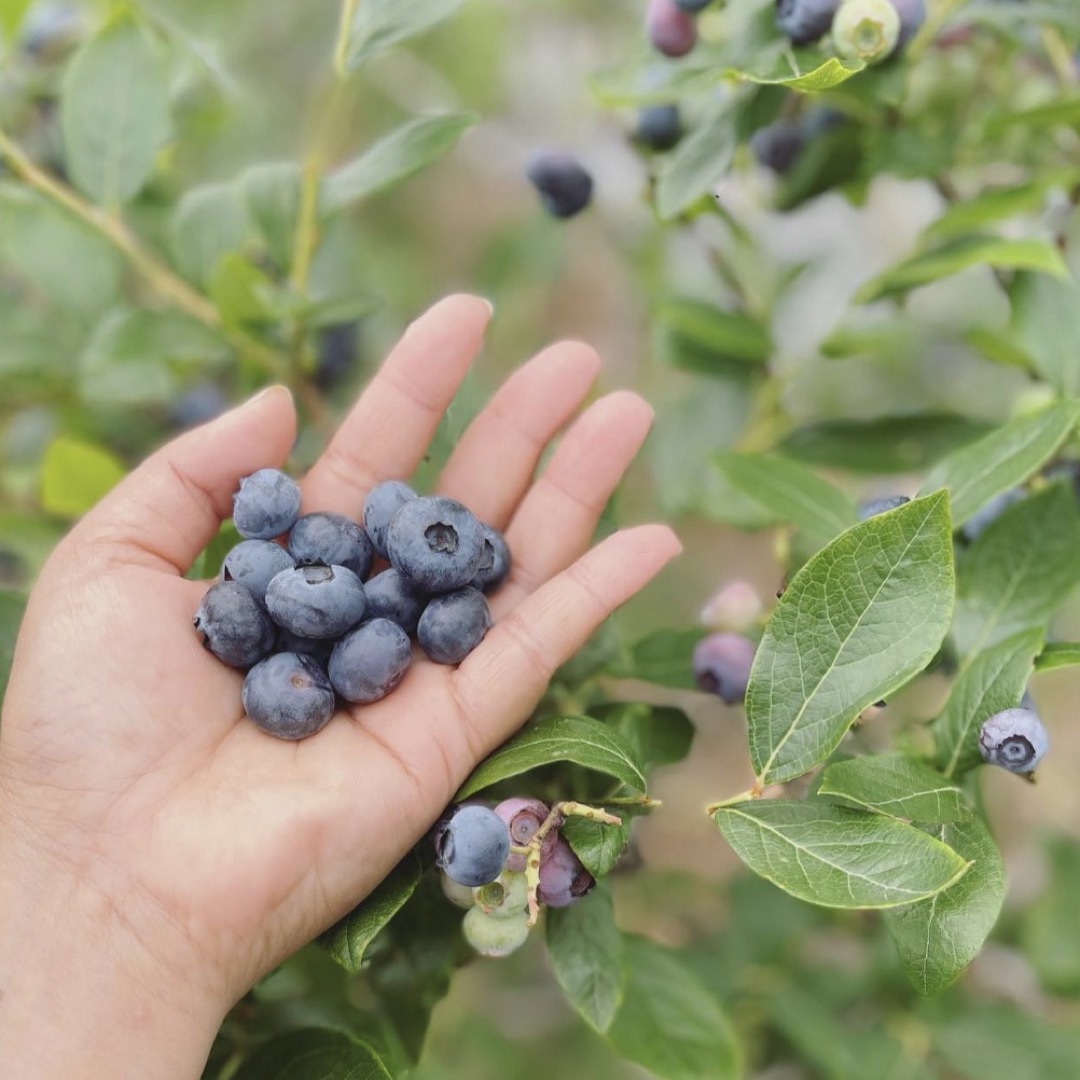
(168, 509)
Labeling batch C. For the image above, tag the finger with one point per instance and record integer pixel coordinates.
(500, 682)
(494, 463)
(388, 431)
(557, 519)
(171, 506)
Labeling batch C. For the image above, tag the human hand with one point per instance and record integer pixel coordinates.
(158, 854)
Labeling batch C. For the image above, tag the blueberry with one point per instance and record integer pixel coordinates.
(659, 127)
(453, 625)
(563, 878)
(197, 405)
(390, 597)
(778, 145)
(494, 563)
(51, 30)
(435, 543)
(874, 507)
(331, 540)
(564, 185)
(1014, 739)
(975, 525)
(805, 21)
(267, 505)
(669, 29)
(504, 898)
(471, 847)
(254, 563)
(722, 665)
(335, 355)
(693, 6)
(368, 662)
(288, 695)
(492, 936)
(382, 503)
(233, 625)
(866, 30)
(317, 648)
(316, 601)
(523, 817)
(912, 15)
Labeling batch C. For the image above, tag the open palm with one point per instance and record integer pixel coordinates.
(192, 843)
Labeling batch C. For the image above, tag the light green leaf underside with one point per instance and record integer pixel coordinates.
(895, 784)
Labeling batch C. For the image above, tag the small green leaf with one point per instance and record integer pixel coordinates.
(785, 71)
(1006, 457)
(992, 681)
(836, 857)
(313, 1054)
(11, 15)
(123, 364)
(1046, 326)
(960, 254)
(694, 167)
(114, 111)
(75, 475)
(659, 735)
(242, 293)
(706, 338)
(895, 784)
(939, 937)
(664, 657)
(348, 939)
(382, 23)
(579, 739)
(586, 951)
(209, 561)
(857, 621)
(791, 492)
(1050, 930)
(208, 222)
(669, 1021)
(272, 193)
(12, 605)
(393, 159)
(1058, 654)
(598, 846)
(1019, 571)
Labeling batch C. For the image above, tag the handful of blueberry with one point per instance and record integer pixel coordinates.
(306, 624)
(501, 864)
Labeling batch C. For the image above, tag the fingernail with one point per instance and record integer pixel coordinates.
(490, 305)
(276, 388)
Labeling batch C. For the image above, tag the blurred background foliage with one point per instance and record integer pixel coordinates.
(737, 316)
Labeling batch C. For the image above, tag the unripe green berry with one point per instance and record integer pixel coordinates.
(459, 895)
(866, 30)
(505, 897)
(490, 935)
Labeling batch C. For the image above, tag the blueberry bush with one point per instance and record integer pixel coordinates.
(837, 242)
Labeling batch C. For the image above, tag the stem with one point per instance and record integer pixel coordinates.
(745, 796)
(341, 49)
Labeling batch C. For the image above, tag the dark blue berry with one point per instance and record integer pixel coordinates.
(316, 601)
(335, 355)
(435, 543)
(471, 848)
(382, 503)
(805, 21)
(233, 625)
(255, 563)
(198, 404)
(563, 877)
(722, 665)
(331, 540)
(317, 648)
(778, 145)
(453, 625)
(389, 597)
(1014, 739)
(267, 505)
(975, 525)
(289, 696)
(564, 185)
(881, 506)
(494, 563)
(658, 126)
(368, 662)
(693, 6)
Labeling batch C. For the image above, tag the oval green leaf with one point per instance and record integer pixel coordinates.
(313, 1054)
(75, 475)
(1058, 654)
(898, 785)
(698, 162)
(381, 23)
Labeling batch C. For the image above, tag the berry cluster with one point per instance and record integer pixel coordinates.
(501, 864)
(308, 623)
(868, 30)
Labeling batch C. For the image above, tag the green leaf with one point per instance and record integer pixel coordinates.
(786, 71)
(706, 338)
(669, 1022)
(242, 293)
(992, 681)
(939, 937)
(598, 846)
(114, 111)
(209, 561)
(394, 158)
(1019, 571)
(659, 735)
(579, 739)
(882, 444)
(664, 657)
(836, 857)
(960, 254)
(791, 492)
(857, 621)
(382, 23)
(272, 193)
(75, 475)
(693, 168)
(1004, 458)
(11, 15)
(1050, 930)
(313, 1054)
(12, 605)
(1058, 654)
(348, 939)
(895, 784)
(208, 222)
(586, 951)
(1046, 326)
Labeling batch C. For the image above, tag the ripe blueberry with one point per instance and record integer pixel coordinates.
(563, 878)
(233, 624)
(874, 507)
(471, 847)
(335, 355)
(453, 625)
(331, 540)
(975, 525)
(389, 597)
(866, 30)
(778, 145)
(564, 185)
(693, 6)
(267, 505)
(722, 665)
(289, 696)
(316, 601)
(198, 404)
(254, 563)
(492, 936)
(382, 503)
(804, 21)
(669, 28)
(659, 127)
(912, 15)
(368, 662)
(435, 543)
(494, 563)
(1014, 739)
(523, 816)
(317, 648)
